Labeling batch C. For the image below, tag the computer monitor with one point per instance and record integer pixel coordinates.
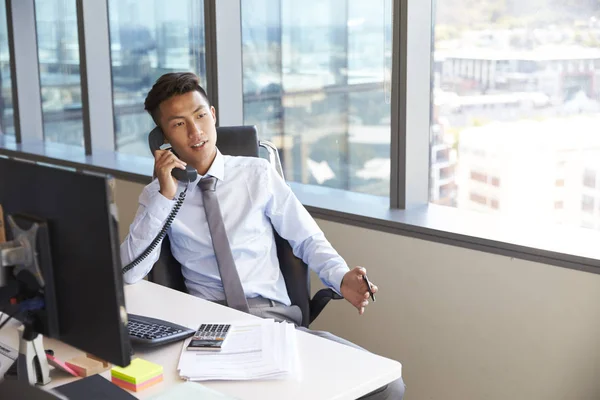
(81, 266)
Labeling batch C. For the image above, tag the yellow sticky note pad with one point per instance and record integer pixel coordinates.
(138, 372)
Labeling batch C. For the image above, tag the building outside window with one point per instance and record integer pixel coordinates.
(515, 93)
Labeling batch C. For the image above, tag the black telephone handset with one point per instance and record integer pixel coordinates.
(156, 141)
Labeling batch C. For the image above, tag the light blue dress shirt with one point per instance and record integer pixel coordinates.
(253, 198)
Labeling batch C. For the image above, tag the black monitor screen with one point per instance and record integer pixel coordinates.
(84, 249)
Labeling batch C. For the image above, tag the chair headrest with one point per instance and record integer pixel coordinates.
(238, 140)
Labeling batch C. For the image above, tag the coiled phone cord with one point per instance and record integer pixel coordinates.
(161, 234)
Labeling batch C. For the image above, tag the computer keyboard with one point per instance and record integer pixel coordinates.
(148, 331)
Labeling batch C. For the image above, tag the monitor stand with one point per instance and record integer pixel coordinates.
(32, 364)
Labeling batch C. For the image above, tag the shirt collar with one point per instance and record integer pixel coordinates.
(217, 168)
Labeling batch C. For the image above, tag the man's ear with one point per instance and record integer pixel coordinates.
(214, 113)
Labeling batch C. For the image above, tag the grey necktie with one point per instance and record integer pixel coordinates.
(234, 293)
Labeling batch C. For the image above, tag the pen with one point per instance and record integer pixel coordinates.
(369, 287)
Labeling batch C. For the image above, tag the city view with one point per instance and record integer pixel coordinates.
(314, 78)
(147, 38)
(515, 89)
(314, 85)
(516, 109)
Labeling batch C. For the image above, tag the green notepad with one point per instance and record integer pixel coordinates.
(138, 372)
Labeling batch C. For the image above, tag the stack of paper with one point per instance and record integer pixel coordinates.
(261, 349)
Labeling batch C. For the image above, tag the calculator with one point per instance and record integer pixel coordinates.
(209, 337)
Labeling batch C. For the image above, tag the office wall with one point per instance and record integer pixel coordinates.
(126, 197)
(464, 324)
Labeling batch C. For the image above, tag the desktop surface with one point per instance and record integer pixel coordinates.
(328, 369)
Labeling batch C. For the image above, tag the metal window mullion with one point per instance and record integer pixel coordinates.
(210, 49)
(411, 102)
(96, 76)
(228, 54)
(345, 157)
(398, 106)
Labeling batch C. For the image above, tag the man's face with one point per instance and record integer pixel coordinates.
(188, 123)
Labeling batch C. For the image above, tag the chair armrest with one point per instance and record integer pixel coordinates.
(320, 300)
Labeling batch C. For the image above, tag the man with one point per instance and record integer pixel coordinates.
(252, 198)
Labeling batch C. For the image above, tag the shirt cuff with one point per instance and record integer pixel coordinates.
(159, 206)
(336, 278)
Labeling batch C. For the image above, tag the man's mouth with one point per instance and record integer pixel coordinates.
(198, 145)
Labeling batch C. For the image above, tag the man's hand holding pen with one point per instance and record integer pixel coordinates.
(356, 288)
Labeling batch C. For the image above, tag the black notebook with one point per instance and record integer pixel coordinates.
(93, 387)
(17, 390)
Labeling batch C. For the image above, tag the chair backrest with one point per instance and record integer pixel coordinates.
(242, 141)
(238, 140)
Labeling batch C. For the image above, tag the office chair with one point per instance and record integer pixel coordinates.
(243, 141)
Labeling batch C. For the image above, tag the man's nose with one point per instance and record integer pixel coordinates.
(194, 130)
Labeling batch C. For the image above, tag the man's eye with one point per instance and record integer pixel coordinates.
(201, 115)
(179, 124)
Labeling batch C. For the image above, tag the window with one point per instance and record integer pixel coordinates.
(58, 55)
(446, 190)
(520, 91)
(588, 224)
(494, 204)
(589, 178)
(478, 177)
(148, 39)
(442, 155)
(315, 76)
(507, 102)
(7, 126)
(587, 204)
(477, 198)
(447, 173)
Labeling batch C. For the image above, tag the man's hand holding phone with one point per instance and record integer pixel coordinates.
(164, 162)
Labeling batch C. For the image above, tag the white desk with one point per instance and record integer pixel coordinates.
(329, 370)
